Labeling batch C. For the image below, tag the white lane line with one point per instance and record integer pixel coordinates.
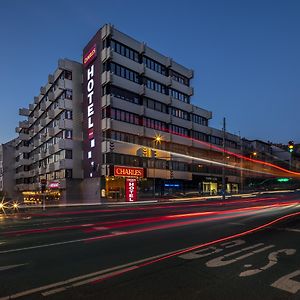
(95, 275)
(41, 246)
(11, 267)
(291, 229)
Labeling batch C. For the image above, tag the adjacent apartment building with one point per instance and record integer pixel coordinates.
(49, 142)
(7, 171)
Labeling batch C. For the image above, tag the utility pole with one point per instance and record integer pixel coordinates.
(223, 168)
(241, 165)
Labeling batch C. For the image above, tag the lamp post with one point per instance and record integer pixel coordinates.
(157, 141)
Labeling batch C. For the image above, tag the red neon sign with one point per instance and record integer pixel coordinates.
(90, 56)
(128, 171)
(130, 189)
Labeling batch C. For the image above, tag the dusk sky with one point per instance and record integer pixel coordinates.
(245, 54)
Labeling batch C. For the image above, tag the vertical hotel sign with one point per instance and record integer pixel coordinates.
(91, 112)
(130, 189)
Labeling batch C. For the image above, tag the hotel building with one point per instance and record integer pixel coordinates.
(140, 128)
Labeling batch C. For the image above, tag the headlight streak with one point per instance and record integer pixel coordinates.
(217, 163)
(112, 225)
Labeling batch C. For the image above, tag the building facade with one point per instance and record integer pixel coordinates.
(49, 142)
(7, 172)
(140, 126)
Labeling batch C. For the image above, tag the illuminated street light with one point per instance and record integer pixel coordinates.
(15, 205)
(157, 139)
(3, 206)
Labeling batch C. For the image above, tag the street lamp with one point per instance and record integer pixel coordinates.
(157, 141)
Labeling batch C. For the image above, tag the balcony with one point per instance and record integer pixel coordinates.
(61, 84)
(65, 104)
(23, 124)
(23, 162)
(24, 112)
(50, 78)
(51, 96)
(24, 136)
(31, 107)
(66, 164)
(53, 113)
(31, 120)
(43, 106)
(106, 54)
(41, 170)
(65, 144)
(36, 143)
(53, 131)
(18, 129)
(65, 124)
(25, 149)
(36, 100)
(36, 113)
(43, 90)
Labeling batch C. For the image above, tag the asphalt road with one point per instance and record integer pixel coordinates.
(205, 249)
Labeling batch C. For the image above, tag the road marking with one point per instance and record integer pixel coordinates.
(220, 261)
(273, 260)
(236, 223)
(92, 277)
(41, 246)
(204, 252)
(11, 267)
(285, 283)
(290, 229)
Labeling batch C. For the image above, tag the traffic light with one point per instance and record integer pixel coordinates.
(43, 185)
(153, 153)
(145, 152)
(291, 146)
(172, 174)
(111, 146)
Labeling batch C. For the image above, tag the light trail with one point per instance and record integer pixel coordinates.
(221, 164)
(111, 225)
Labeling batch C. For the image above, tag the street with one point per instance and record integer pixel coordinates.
(246, 248)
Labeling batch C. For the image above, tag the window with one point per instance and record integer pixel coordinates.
(155, 66)
(125, 95)
(124, 116)
(89, 154)
(180, 96)
(199, 135)
(153, 85)
(124, 72)
(174, 129)
(124, 50)
(68, 173)
(215, 140)
(180, 78)
(68, 94)
(68, 154)
(68, 75)
(68, 134)
(156, 105)
(155, 124)
(68, 114)
(176, 112)
(199, 120)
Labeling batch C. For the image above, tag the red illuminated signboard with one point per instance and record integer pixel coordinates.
(130, 189)
(53, 185)
(90, 56)
(128, 172)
